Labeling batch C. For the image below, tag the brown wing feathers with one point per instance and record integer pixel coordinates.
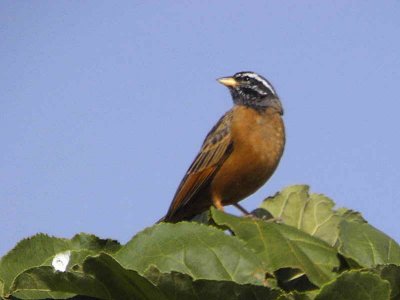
(216, 148)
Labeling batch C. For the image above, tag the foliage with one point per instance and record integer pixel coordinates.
(308, 250)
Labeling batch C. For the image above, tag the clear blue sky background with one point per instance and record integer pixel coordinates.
(103, 105)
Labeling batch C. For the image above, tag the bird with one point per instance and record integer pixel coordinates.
(238, 155)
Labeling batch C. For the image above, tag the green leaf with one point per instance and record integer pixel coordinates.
(121, 283)
(103, 278)
(43, 282)
(391, 273)
(350, 215)
(93, 243)
(180, 286)
(29, 253)
(40, 249)
(201, 251)
(281, 246)
(356, 285)
(312, 214)
(310, 295)
(367, 245)
(1, 286)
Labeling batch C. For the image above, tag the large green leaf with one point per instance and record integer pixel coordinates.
(121, 283)
(356, 285)
(179, 286)
(391, 273)
(1, 287)
(201, 251)
(311, 213)
(350, 215)
(310, 295)
(29, 253)
(281, 246)
(40, 249)
(93, 243)
(102, 278)
(43, 282)
(367, 245)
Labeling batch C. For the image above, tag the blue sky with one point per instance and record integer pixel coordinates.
(103, 105)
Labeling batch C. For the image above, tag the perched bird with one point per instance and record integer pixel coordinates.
(238, 155)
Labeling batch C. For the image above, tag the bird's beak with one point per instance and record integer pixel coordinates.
(228, 81)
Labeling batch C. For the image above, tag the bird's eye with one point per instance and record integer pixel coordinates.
(247, 78)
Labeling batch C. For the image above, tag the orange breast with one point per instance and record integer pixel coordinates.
(258, 141)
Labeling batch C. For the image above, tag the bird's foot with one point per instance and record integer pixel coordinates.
(264, 218)
(263, 214)
(278, 220)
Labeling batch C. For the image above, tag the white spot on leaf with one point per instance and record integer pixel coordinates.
(61, 260)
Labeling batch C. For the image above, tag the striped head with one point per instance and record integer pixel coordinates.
(253, 90)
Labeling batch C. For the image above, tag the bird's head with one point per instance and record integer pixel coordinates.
(253, 90)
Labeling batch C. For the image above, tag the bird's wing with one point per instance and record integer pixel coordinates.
(216, 148)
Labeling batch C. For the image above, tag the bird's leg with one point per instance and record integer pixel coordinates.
(241, 208)
(218, 203)
(254, 216)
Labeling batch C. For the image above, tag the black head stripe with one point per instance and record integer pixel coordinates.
(258, 78)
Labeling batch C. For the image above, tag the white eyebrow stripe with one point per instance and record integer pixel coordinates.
(257, 77)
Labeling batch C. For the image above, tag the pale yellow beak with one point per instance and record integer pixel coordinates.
(228, 81)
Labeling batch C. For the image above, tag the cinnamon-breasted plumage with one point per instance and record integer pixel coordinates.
(239, 154)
